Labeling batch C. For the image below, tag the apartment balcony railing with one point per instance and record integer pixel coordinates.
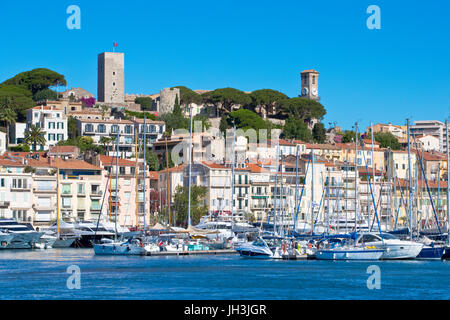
(96, 207)
(4, 204)
(44, 190)
(97, 193)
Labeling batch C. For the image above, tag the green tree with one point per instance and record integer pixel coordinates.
(348, 136)
(152, 160)
(225, 98)
(7, 116)
(36, 80)
(198, 207)
(45, 94)
(104, 110)
(247, 119)
(105, 142)
(72, 127)
(296, 129)
(319, 133)
(302, 108)
(266, 99)
(145, 102)
(35, 136)
(223, 126)
(189, 96)
(176, 119)
(206, 124)
(16, 98)
(386, 139)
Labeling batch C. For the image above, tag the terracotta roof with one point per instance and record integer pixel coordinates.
(174, 169)
(153, 175)
(213, 165)
(255, 168)
(108, 160)
(63, 149)
(11, 163)
(62, 164)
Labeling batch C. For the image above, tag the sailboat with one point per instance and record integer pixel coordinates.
(132, 246)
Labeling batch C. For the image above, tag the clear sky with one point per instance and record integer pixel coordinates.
(399, 71)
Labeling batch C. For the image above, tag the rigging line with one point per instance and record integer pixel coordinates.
(428, 190)
(301, 195)
(370, 186)
(104, 195)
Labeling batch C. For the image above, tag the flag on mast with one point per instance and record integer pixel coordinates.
(114, 45)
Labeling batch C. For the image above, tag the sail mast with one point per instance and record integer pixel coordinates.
(232, 174)
(448, 181)
(190, 169)
(356, 177)
(144, 171)
(409, 181)
(117, 184)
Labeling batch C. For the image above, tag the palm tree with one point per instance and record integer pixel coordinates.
(34, 136)
(7, 115)
(105, 141)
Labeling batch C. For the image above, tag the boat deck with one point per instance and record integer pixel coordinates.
(192, 252)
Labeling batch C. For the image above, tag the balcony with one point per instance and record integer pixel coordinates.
(96, 207)
(4, 204)
(96, 193)
(45, 190)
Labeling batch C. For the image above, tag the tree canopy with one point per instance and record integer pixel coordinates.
(189, 96)
(319, 133)
(145, 102)
(303, 108)
(387, 139)
(36, 80)
(266, 98)
(295, 128)
(198, 207)
(225, 98)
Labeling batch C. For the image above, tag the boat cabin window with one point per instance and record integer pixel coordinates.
(369, 238)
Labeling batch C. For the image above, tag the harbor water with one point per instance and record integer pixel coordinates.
(34, 274)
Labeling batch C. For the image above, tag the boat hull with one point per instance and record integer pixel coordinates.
(5, 240)
(24, 240)
(431, 253)
(118, 249)
(64, 243)
(404, 250)
(349, 254)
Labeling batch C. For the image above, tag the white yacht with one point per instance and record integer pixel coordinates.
(47, 240)
(395, 248)
(133, 246)
(224, 228)
(5, 239)
(25, 237)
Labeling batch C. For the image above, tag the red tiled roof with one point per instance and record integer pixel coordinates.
(108, 160)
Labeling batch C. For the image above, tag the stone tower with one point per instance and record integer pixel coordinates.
(111, 77)
(167, 100)
(310, 84)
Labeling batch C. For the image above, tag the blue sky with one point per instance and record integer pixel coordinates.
(400, 71)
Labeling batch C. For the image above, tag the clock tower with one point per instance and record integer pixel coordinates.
(310, 84)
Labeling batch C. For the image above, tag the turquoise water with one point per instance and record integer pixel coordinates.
(42, 275)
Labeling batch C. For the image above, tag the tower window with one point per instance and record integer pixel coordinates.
(114, 84)
(314, 80)
(114, 73)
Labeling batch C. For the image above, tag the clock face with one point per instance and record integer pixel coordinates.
(305, 91)
(314, 91)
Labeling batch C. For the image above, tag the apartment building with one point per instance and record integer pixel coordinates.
(52, 121)
(127, 130)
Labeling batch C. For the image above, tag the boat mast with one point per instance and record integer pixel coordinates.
(448, 181)
(389, 188)
(232, 173)
(281, 193)
(117, 184)
(169, 197)
(276, 189)
(136, 179)
(57, 193)
(373, 176)
(296, 204)
(190, 169)
(356, 177)
(346, 190)
(409, 182)
(144, 171)
(312, 191)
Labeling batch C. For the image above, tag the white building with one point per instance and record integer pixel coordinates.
(52, 121)
(127, 129)
(429, 143)
(431, 127)
(17, 133)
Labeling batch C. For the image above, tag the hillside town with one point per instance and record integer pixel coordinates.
(80, 158)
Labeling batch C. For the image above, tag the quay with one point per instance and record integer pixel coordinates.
(192, 252)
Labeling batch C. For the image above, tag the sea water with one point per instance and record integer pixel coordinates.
(43, 274)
